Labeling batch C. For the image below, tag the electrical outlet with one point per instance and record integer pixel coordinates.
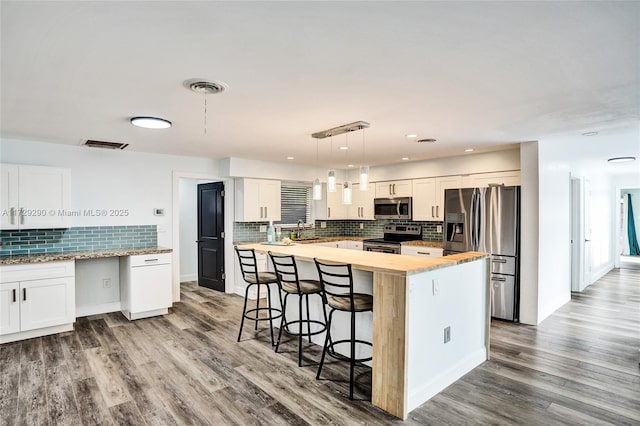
(106, 283)
(447, 334)
(263, 228)
(435, 285)
(362, 226)
(439, 228)
(323, 225)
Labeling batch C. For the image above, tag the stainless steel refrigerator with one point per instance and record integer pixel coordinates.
(488, 220)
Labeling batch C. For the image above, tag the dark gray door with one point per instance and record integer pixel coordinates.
(211, 235)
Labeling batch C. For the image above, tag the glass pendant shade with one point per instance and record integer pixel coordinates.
(346, 193)
(331, 181)
(364, 178)
(317, 190)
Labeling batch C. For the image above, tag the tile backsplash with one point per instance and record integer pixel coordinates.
(250, 231)
(34, 241)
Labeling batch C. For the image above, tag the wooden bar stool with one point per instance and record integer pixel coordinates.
(250, 273)
(337, 289)
(287, 274)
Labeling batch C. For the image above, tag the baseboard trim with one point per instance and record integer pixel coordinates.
(188, 277)
(103, 308)
(22, 335)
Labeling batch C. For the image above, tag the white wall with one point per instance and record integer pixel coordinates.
(529, 233)
(106, 179)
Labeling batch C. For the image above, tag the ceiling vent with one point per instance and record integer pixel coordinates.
(425, 141)
(206, 87)
(106, 145)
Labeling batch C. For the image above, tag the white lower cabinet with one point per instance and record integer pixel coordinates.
(421, 251)
(36, 299)
(145, 285)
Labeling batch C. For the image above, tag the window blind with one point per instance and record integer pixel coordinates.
(295, 203)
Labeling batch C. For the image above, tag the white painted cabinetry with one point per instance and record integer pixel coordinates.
(421, 251)
(36, 299)
(34, 197)
(335, 209)
(257, 200)
(395, 188)
(362, 203)
(483, 180)
(428, 196)
(145, 285)
(346, 244)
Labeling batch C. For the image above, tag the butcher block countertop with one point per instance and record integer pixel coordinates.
(369, 261)
(82, 254)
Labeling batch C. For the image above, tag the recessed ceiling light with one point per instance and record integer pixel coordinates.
(412, 135)
(589, 133)
(150, 122)
(621, 159)
(350, 165)
(405, 158)
(468, 150)
(291, 158)
(344, 148)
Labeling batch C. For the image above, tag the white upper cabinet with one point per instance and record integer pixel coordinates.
(483, 180)
(335, 209)
(257, 200)
(428, 196)
(362, 203)
(395, 188)
(35, 197)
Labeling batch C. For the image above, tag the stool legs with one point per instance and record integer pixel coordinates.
(257, 310)
(352, 361)
(326, 344)
(244, 310)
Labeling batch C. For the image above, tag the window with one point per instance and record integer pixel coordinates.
(296, 203)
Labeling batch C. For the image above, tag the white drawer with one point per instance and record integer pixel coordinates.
(37, 271)
(422, 251)
(149, 259)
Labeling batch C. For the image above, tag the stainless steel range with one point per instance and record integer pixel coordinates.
(394, 235)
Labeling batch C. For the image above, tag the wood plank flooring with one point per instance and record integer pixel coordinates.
(580, 366)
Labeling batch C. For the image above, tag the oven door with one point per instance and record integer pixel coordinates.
(382, 248)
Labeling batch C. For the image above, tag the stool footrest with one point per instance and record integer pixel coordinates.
(332, 352)
(264, 309)
(286, 324)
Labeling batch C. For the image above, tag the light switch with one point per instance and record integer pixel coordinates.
(263, 228)
(438, 228)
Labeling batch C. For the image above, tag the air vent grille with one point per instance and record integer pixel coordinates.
(105, 145)
(425, 140)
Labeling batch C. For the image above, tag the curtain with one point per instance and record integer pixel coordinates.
(634, 249)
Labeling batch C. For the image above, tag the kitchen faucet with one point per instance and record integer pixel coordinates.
(300, 222)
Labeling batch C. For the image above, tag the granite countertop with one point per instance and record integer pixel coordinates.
(423, 243)
(82, 254)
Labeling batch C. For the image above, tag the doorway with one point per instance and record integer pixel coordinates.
(629, 215)
(211, 235)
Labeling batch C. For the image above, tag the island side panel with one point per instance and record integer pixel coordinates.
(389, 372)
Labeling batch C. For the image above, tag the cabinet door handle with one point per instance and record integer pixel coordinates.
(21, 216)
(261, 214)
(14, 295)
(432, 211)
(12, 217)
(265, 212)
(24, 294)
(424, 252)
(437, 211)
(394, 189)
(151, 260)
(328, 211)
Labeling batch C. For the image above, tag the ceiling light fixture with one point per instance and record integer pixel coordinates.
(405, 158)
(291, 158)
(590, 134)
(317, 186)
(428, 140)
(150, 122)
(351, 166)
(364, 169)
(468, 150)
(411, 136)
(344, 148)
(346, 186)
(331, 173)
(621, 159)
(205, 87)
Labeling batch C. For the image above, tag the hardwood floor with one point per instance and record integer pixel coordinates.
(579, 367)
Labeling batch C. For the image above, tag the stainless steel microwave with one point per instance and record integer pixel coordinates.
(392, 208)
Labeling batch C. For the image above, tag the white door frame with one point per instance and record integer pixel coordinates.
(577, 237)
(228, 227)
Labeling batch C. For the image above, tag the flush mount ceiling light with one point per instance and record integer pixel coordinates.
(291, 158)
(590, 134)
(343, 148)
(205, 87)
(621, 159)
(405, 158)
(150, 122)
(468, 150)
(411, 136)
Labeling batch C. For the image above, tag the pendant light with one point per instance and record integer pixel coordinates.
(364, 170)
(331, 174)
(346, 186)
(317, 186)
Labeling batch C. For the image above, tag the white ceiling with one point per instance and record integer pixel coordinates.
(470, 74)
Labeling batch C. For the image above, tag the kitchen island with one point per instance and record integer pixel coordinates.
(418, 302)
